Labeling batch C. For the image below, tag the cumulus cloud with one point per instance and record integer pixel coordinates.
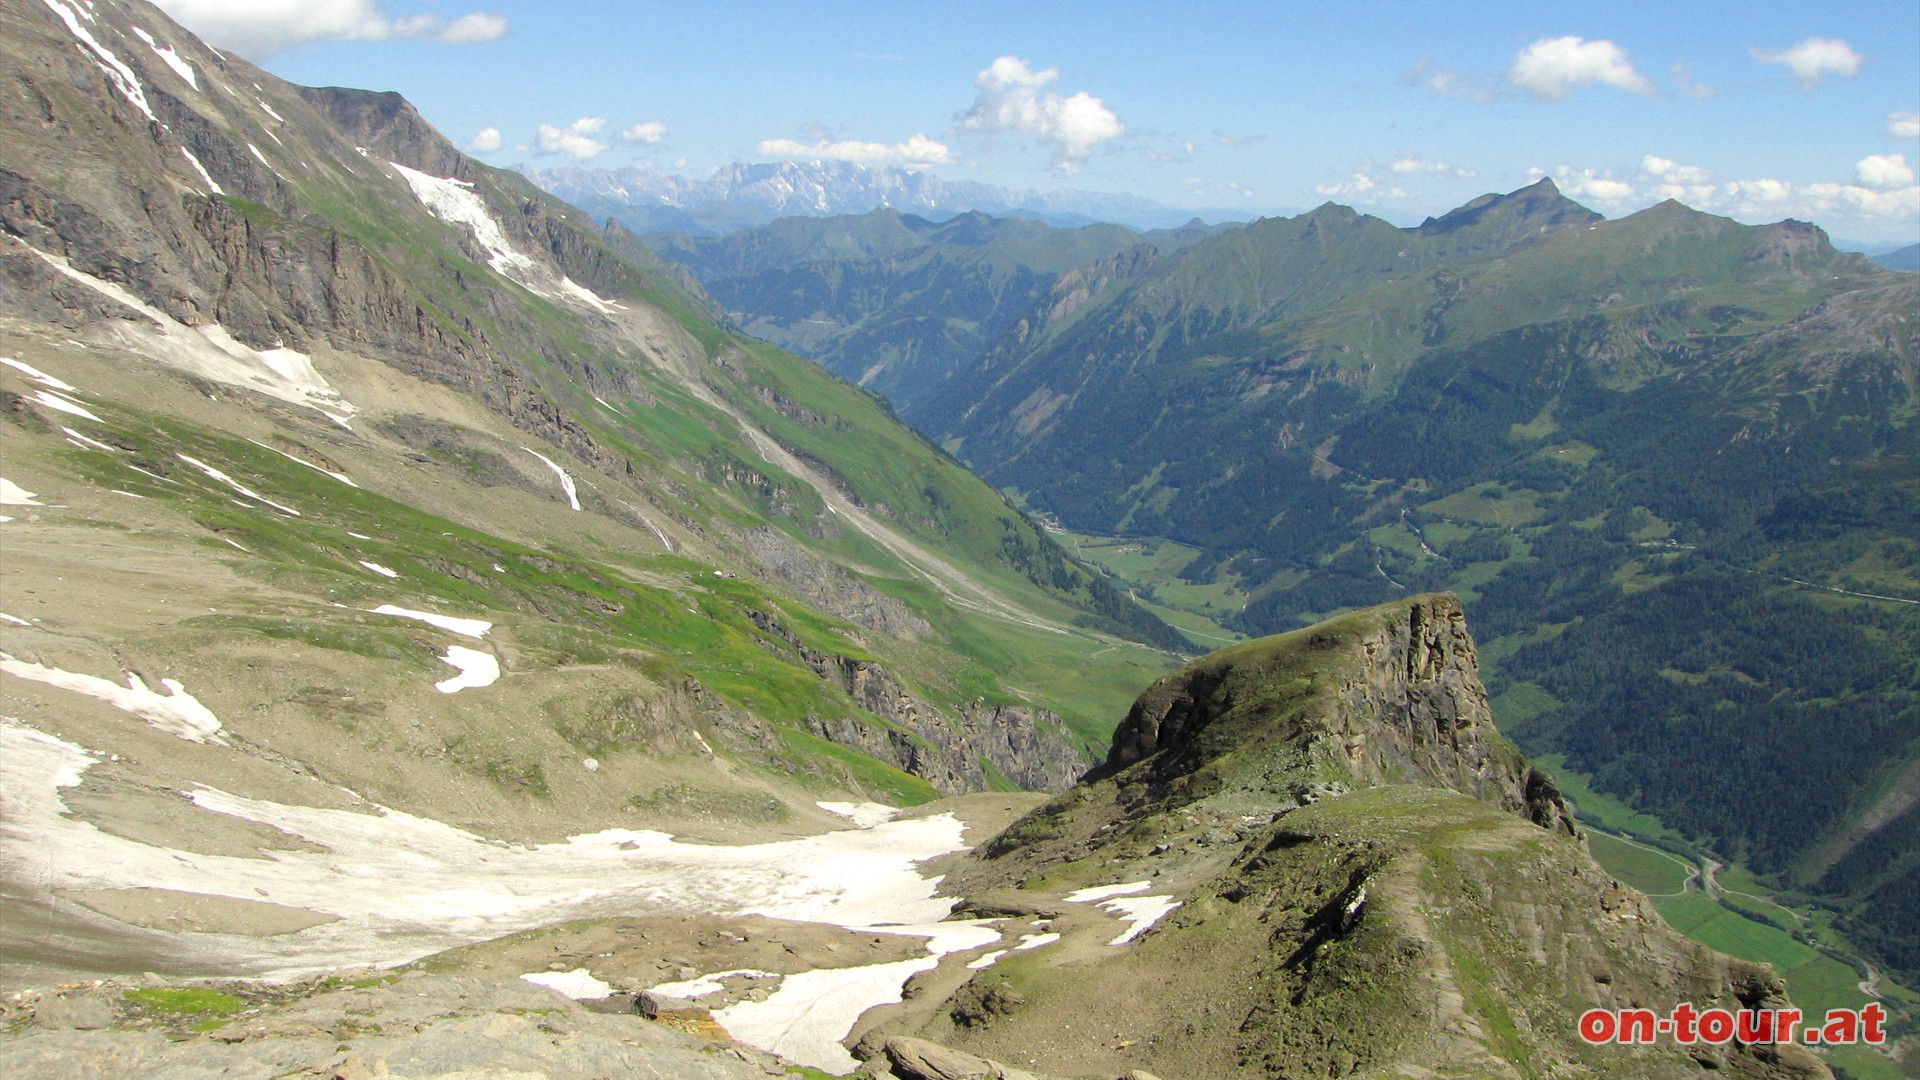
(1407, 163)
(1884, 171)
(576, 140)
(261, 28)
(649, 132)
(1814, 59)
(1904, 125)
(1550, 67)
(1668, 179)
(485, 140)
(1885, 191)
(919, 152)
(1596, 185)
(1012, 97)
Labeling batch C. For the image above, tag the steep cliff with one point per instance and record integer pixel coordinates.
(1313, 855)
(1391, 695)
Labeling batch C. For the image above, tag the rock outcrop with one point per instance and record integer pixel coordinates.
(1354, 875)
(1022, 744)
(1389, 695)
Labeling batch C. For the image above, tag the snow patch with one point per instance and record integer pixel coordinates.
(116, 70)
(165, 52)
(235, 484)
(269, 111)
(578, 984)
(456, 203)
(14, 619)
(1101, 892)
(1027, 942)
(1140, 912)
(95, 443)
(176, 712)
(566, 482)
(302, 461)
(54, 400)
(378, 569)
(212, 184)
(476, 669)
(12, 494)
(261, 156)
(210, 351)
(864, 815)
(709, 984)
(473, 628)
(812, 1011)
(39, 376)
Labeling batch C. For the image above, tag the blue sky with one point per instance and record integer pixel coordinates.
(1757, 110)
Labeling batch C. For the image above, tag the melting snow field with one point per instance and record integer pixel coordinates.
(175, 712)
(456, 203)
(12, 494)
(473, 628)
(476, 669)
(211, 352)
(578, 984)
(1139, 912)
(864, 815)
(403, 886)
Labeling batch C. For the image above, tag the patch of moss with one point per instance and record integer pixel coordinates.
(185, 1001)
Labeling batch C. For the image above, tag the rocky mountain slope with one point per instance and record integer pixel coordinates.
(345, 479)
(1322, 859)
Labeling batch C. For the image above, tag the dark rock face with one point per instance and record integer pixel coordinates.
(950, 752)
(1394, 695)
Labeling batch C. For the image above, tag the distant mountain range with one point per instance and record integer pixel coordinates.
(743, 195)
(896, 302)
(1668, 460)
(1906, 258)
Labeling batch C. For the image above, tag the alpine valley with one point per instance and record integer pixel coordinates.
(439, 639)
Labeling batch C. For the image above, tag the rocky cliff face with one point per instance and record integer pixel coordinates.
(1363, 879)
(952, 752)
(1392, 695)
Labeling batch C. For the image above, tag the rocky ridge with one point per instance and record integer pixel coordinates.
(1358, 876)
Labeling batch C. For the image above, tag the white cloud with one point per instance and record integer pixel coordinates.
(1668, 179)
(1013, 97)
(1886, 192)
(651, 131)
(261, 28)
(576, 140)
(1853, 200)
(468, 29)
(1814, 59)
(1884, 171)
(1407, 163)
(1593, 184)
(919, 152)
(485, 140)
(1904, 125)
(1550, 67)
